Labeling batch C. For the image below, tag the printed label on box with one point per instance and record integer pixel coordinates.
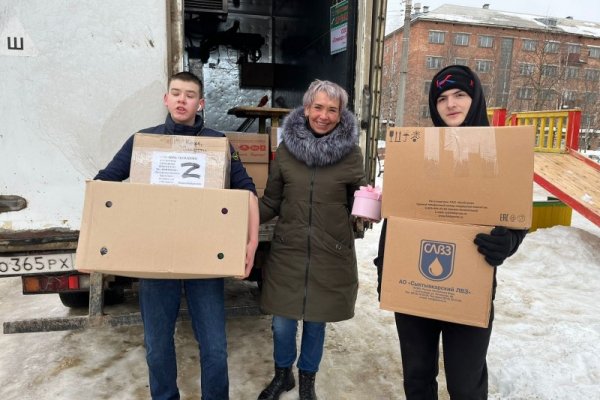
(434, 270)
(182, 169)
(466, 175)
(437, 260)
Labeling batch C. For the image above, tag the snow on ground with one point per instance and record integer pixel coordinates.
(545, 342)
(591, 154)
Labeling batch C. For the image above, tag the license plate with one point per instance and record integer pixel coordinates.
(37, 264)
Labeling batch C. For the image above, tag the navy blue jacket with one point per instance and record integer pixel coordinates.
(118, 168)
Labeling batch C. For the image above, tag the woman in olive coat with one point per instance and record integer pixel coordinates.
(311, 272)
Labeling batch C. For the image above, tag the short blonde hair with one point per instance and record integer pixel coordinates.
(333, 91)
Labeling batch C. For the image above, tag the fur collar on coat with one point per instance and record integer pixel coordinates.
(319, 151)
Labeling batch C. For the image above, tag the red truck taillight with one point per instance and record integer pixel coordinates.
(54, 283)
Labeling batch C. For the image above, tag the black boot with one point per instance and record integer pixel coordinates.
(307, 385)
(283, 381)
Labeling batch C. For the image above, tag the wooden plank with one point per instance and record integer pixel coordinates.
(53, 239)
(249, 111)
(262, 113)
(573, 181)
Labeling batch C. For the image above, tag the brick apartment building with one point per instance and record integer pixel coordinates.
(525, 62)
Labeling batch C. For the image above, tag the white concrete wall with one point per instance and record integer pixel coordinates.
(90, 74)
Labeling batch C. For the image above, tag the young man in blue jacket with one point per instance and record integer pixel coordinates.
(160, 298)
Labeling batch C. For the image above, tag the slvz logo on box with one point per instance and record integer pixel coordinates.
(436, 260)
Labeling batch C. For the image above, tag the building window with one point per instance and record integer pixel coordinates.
(486, 41)
(594, 52)
(569, 95)
(525, 93)
(572, 73)
(437, 37)
(425, 111)
(573, 48)
(483, 66)
(460, 61)
(461, 39)
(549, 70)
(592, 74)
(547, 94)
(551, 47)
(590, 98)
(426, 86)
(587, 120)
(434, 62)
(526, 69)
(529, 45)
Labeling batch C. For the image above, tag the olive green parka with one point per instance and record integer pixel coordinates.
(311, 271)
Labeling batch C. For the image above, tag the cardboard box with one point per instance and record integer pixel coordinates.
(160, 231)
(468, 175)
(259, 174)
(275, 134)
(195, 161)
(252, 147)
(433, 270)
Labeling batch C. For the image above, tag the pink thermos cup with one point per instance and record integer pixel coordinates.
(367, 203)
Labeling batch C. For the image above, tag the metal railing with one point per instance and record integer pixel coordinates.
(556, 131)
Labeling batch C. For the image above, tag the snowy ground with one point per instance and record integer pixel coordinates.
(545, 343)
(591, 154)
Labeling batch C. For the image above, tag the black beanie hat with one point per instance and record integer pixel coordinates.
(458, 77)
(452, 77)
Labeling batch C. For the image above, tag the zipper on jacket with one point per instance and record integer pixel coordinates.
(308, 248)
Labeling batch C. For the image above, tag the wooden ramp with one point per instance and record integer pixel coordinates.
(572, 178)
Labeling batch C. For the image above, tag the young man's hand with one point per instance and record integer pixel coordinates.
(250, 252)
(497, 245)
(252, 244)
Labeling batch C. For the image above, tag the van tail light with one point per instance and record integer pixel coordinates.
(34, 284)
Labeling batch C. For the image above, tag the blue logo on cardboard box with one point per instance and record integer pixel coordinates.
(436, 261)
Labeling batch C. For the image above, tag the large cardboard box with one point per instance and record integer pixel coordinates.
(467, 175)
(275, 134)
(195, 161)
(252, 147)
(433, 270)
(160, 231)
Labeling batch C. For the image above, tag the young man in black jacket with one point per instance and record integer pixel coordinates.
(455, 99)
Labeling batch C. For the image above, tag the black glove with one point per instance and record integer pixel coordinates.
(499, 244)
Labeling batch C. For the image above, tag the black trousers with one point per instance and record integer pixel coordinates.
(465, 349)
